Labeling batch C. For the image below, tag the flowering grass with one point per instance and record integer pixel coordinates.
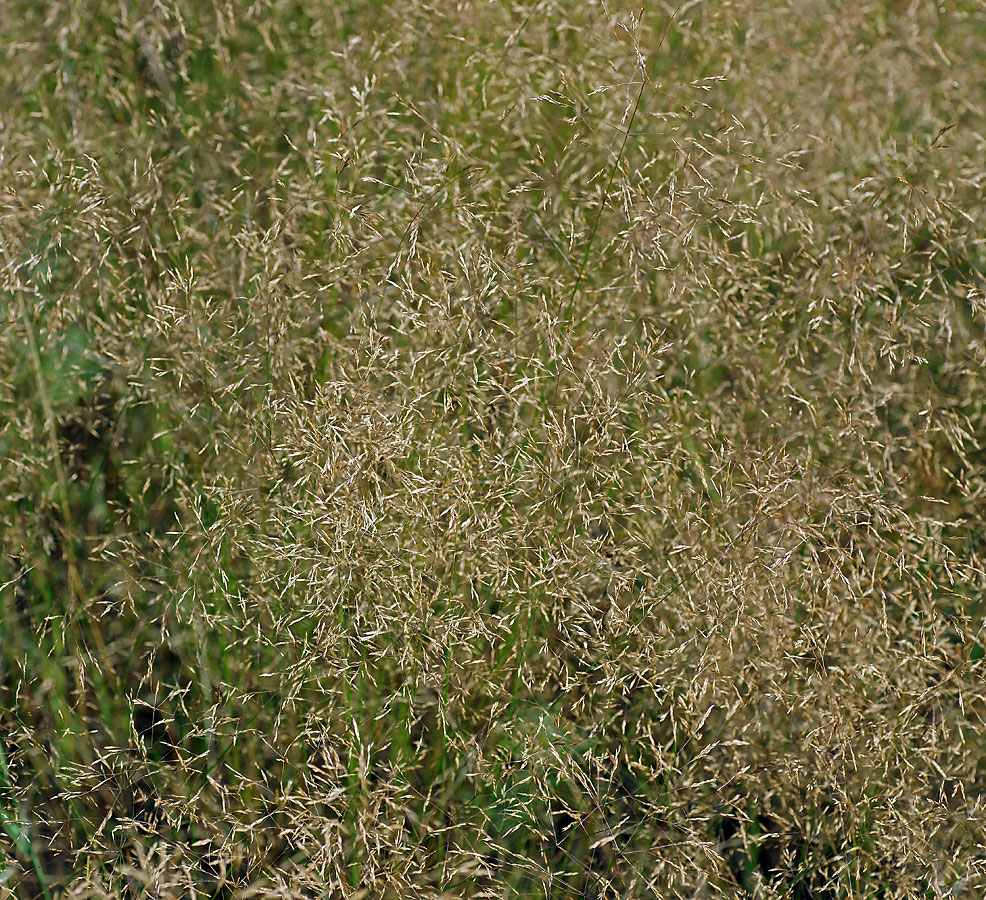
(526, 450)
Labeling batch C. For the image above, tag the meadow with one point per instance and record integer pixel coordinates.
(466, 449)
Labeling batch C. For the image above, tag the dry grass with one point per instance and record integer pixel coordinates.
(492, 450)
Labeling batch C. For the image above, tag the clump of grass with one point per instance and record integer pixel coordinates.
(492, 450)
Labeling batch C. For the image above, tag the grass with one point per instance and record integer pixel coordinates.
(519, 450)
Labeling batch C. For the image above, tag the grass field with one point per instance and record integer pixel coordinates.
(492, 450)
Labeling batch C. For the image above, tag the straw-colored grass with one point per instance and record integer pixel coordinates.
(507, 450)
